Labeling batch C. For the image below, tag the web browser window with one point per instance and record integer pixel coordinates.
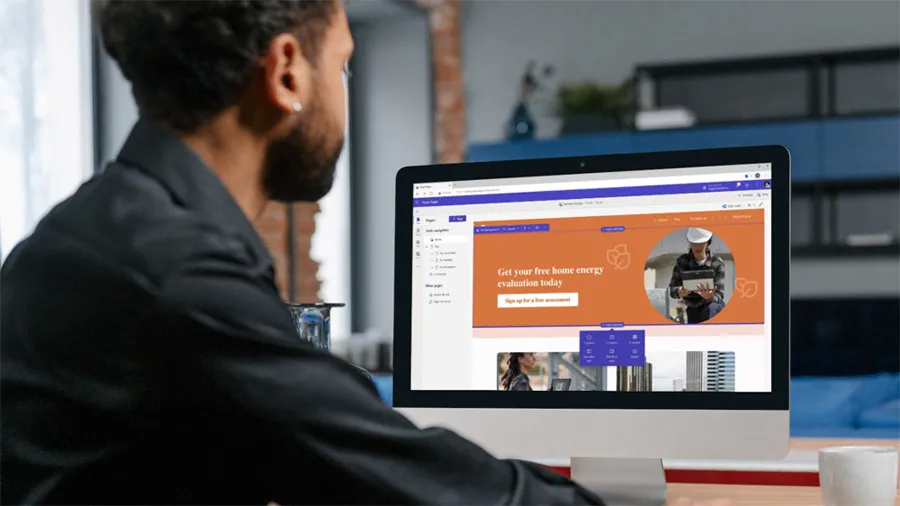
(643, 281)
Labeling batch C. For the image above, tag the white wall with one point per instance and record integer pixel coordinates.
(391, 126)
(602, 40)
(330, 245)
(116, 107)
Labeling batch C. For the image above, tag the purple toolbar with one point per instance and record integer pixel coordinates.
(593, 193)
(512, 229)
(615, 348)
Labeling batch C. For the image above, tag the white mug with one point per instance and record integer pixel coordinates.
(858, 475)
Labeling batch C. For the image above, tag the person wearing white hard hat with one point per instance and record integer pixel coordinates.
(707, 301)
(698, 236)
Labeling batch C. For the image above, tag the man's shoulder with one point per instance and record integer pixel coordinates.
(124, 220)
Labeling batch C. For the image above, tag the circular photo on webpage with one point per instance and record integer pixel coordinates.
(689, 275)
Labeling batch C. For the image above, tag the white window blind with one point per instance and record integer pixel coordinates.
(46, 138)
(331, 242)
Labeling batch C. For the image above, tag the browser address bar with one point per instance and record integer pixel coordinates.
(476, 191)
(619, 183)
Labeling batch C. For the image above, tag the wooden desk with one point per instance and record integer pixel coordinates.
(747, 483)
(798, 444)
(748, 495)
(760, 495)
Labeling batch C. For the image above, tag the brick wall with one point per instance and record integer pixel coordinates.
(272, 226)
(449, 89)
(306, 270)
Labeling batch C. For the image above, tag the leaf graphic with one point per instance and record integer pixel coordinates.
(739, 285)
(623, 261)
(621, 248)
(750, 289)
(611, 256)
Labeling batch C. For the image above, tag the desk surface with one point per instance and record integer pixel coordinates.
(801, 461)
(748, 495)
(803, 457)
(757, 495)
(798, 444)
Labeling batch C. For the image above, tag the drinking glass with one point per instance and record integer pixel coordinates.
(313, 323)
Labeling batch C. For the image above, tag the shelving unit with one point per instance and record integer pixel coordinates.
(844, 150)
(827, 238)
(777, 88)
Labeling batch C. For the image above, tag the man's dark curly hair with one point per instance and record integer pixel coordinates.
(189, 60)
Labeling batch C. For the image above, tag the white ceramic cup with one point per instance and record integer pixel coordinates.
(858, 475)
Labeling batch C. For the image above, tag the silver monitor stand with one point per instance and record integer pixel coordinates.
(622, 482)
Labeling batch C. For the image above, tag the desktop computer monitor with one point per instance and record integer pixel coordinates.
(657, 284)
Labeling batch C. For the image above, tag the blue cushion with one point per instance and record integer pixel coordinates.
(823, 402)
(876, 390)
(886, 415)
(384, 383)
(825, 432)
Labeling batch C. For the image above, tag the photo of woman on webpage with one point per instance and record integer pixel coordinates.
(515, 379)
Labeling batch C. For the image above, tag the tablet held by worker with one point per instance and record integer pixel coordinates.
(690, 286)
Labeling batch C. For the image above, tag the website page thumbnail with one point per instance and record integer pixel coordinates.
(611, 285)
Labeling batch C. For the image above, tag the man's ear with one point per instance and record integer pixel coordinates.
(287, 74)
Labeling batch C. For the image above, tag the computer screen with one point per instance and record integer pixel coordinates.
(630, 281)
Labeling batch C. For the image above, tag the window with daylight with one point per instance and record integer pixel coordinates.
(46, 141)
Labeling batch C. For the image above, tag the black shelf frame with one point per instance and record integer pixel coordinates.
(766, 63)
(844, 251)
(824, 195)
(821, 76)
(821, 103)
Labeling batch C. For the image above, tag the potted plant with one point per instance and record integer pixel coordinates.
(591, 107)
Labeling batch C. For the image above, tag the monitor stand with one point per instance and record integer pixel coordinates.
(622, 482)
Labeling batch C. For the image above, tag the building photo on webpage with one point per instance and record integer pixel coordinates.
(680, 371)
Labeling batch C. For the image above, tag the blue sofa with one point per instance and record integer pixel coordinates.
(846, 406)
(385, 385)
(821, 407)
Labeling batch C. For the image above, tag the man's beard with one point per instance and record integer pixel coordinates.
(300, 167)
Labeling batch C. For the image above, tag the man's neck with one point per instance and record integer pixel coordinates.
(237, 157)
(701, 257)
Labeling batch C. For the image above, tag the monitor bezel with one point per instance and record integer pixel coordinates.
(776, 400)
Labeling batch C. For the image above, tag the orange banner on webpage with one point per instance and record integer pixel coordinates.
(635, 270)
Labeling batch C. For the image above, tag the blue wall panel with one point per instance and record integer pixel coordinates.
(861, 148)
(834, 148)
(799, 137)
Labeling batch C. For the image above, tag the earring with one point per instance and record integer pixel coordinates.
(297, 107)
